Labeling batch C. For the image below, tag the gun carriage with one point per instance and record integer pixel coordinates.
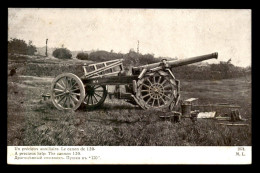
(151, 86)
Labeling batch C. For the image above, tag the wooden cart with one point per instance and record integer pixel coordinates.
(151, 86)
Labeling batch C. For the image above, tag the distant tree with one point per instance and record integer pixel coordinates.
(20, 47)
(62, 53)
(82, 56)
(137, 59)
(131, 50)
(102, 55)
(31, 49)
(248, 68)
(226, 69)
(148, 59)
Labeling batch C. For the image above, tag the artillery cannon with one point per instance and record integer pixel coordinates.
(151, 86)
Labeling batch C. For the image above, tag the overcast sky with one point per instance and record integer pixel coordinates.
(173, 33)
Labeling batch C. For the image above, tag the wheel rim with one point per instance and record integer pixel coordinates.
(156, 91)
(67, 92)
(95, 96)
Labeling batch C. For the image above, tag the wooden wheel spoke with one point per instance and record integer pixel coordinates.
(95, 98)
(153, 102)
(64, 103)
(148, 100)
(88, 99)
(85, 99)
(98, 86)
(55, 89)
(73, 85)
(67, 82)
(146, 95)
(77, 94)
(163, 82)
(98, 95)
(59, 94)
(73, 104)
(68, 102)
(163, 100)
(166, 96)
(74, 98)
(63, 83)
(70, 83)
(92, 101)
(99, 91)
(149, 81)
(158, 101)
(59, 85)
(76, 89)
(159, 79)
(61, 99)
(145, 85)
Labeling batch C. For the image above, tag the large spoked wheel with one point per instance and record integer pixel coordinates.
(67, 92)
(156, 91)
(95, 96)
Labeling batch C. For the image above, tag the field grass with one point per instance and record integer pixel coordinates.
(32, 121)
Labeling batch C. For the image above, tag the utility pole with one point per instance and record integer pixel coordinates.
(46, 53)
(138, 46)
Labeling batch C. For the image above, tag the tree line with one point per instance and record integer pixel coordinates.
(223, 70)
(17, 46)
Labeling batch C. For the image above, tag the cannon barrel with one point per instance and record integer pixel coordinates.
(192, 60)
(177, 63)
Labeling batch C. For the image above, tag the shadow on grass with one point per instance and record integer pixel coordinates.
(109, 107)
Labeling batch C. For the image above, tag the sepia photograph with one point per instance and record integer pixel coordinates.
(92, 79)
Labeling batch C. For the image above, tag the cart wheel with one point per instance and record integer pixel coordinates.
(67, 91)
(156, 91)
(95, 96)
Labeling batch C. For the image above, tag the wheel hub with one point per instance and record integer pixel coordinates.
(90, 90)
(156, 90)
